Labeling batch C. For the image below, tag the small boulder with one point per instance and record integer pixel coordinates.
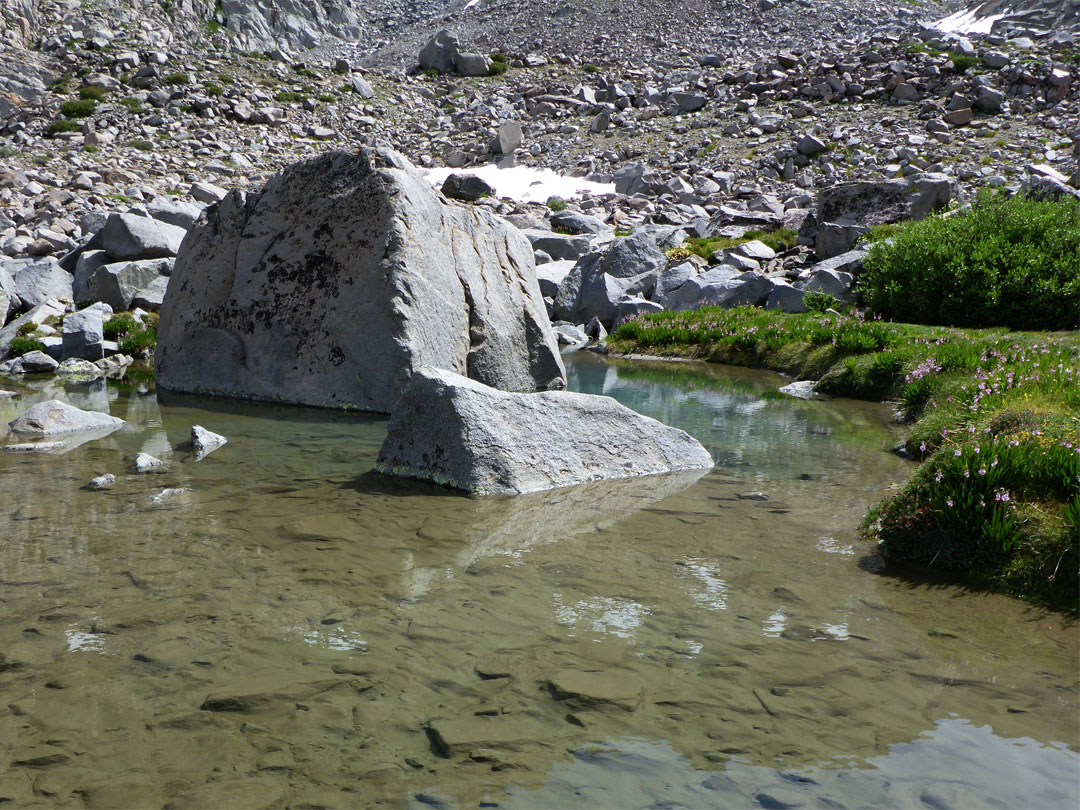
(204, 442)
(131, 236)
(102, 481)
(146, 463)
(466, 187)
(55, 417)
(460, 433)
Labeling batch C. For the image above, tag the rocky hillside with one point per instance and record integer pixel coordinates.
(709, 118)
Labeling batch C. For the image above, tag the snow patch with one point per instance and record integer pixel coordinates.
(967, 22)
(526, 184)
(471, 3)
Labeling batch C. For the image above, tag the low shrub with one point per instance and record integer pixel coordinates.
(497, 68)
(62, 125)
(962, 62)
(213, 90)
(679, 254)
(80, 108)
(556, 204)
(118, 326)
(139, 344)
(288, 96)
(1004, 262)
(23, 344)
(92, 93)
(176, 79)
(141, 144)
(816, 301)
(131, 104)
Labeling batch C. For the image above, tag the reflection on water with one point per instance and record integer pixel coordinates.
(275, 626)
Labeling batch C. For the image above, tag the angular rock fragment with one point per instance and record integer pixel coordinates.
(465, 435)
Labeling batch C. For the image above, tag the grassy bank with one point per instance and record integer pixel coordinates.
(995, 423)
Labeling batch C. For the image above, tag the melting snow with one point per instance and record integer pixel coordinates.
(967, 22)
(526, 184)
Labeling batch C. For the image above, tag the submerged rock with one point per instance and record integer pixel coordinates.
(146, 463)
(342, 271)
(56, 417)
(462, 434)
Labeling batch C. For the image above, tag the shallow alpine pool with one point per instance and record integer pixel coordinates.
(276, 626)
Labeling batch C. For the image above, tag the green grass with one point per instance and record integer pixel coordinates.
(131, 104)
(556, 204)
(175, 79)
(288, 96)
(213, 90)
(24, 344)
(1013, 395)
(141, 144)
(1003, 262)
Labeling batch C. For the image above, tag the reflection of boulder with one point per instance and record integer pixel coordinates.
(511, 525)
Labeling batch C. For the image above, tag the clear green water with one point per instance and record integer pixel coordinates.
(275, 626)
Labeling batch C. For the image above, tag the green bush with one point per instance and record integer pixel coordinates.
(139, 344)
(177, 78)
(81, 108)
(92, 93)
(556, 204)
(816, 301)
(24, 345)
(62, 125)
(119, 325)
(1003, 262)
(962, 63)
(131, 104)
(141, 145)
(288, 96)
(213, 90)
(497, 68)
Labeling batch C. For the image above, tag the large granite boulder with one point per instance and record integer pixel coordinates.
(465, 435)
(342, 271)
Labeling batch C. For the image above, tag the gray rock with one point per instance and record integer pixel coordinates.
(833, 282)
(557, 245)
(76, 369)
(118, 283)
(82, 332)
(576, 222)
(55, 417)
(847, 210)
(633, 255)
(438, 53)
(146, 463)
(465, 435)
(102, 481)
(36, 283)
(152, 295)
(35, 362)
(131, 236)
(207, 192)
(466, 187)
(690, 102)
(809, 145)
(673, 278)
(472, 64)
(362, 87)
(631, 305)
(509, 137)
(785, 297)
(551, 275)
(989, 99)
(204, 442)
(38, 315)
(88, 263)
(803, 389)
(339, 273)
(174, 212)
(720, 286)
